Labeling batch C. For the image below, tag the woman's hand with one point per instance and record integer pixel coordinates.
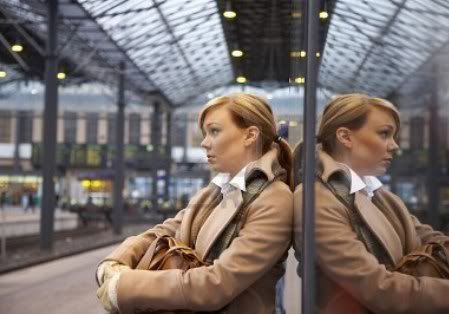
(107, 269)
(104, 295)
(108, 275)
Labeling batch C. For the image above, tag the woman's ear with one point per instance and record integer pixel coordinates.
(343, 136)
(252, 134)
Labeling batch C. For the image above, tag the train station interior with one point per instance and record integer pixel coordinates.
(99, 105)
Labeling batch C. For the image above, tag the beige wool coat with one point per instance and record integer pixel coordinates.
(345, 265)
(244, 275)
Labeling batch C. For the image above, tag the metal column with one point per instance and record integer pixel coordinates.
(50, 129)
(119, 165)
(17, 166)
(434, 177)
(308, 219)
(156, 142)
(168, 153)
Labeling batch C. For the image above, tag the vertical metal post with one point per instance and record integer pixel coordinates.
(168, 152)
(3, 232)
(186, 136)
(308, 220)
(50, 129)
(16, 165)
(119, 164)
(156, 142)
(433, 186)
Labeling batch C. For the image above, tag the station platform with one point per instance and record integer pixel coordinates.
(68, 286)
(15, 221)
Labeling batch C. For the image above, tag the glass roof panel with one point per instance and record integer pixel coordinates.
(374, 47)
(179, 44)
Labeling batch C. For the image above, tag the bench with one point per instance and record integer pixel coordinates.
(92, 213)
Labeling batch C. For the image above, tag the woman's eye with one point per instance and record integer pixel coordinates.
(384, 134)
(214, 131)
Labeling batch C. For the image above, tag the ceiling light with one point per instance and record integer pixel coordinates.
(295, 54)
(300, 80)
(296, 14)
(324, 15)
(303, 53)
(61, 75)
(241, 79)
(237, 53)
(3, 74)
(229, 13)
(17, 47)
(318, 54)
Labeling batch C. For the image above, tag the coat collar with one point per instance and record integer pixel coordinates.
(373, 216)
(222, 215)
(379, 224)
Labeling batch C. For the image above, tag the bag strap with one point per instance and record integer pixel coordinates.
(253, 190)
(359, 225)
(145, 261)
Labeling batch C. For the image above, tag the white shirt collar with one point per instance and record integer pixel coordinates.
(367, 183)
(224, 181)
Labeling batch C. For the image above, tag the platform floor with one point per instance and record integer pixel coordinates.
(67, 286)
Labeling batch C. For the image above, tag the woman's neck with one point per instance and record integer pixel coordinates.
(344, 159)
(243, 163)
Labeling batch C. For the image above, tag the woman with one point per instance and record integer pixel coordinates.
(362, 230)
(241, 144)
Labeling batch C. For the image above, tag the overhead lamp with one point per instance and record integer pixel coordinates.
(318, 54)
(303, 54)
(3, 74)
(61, 75)
(17, 47)
(324, 15)
(300, 80)
(229, 13)
(295, 54)
(237, 53)
(241, 79)
(296, 14)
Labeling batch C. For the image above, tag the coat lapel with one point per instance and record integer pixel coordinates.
(380, 225)
(399, 212)
(187, 220)
(217, 221)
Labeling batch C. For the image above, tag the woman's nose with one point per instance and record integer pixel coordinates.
(393, 146)
(205, 143)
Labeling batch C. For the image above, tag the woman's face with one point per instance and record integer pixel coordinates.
(373, 145)
(225, 143)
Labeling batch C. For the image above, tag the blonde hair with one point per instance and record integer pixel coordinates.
(250, 110)
(350, 111)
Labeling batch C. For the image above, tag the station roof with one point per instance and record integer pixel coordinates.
(183, 48)
(374, 46)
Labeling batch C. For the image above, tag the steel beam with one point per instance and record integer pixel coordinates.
(156, 143)
(50, 129)
(168, 151)
(119, 164)
(308, 219)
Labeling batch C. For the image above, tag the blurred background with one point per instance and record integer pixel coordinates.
(99, 103)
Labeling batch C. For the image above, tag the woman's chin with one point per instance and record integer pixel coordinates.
(380, 171)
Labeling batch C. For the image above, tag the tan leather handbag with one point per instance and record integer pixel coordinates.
(431, 259)
(166, 252)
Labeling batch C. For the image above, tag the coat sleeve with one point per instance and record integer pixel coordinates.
(130, 251)
(261, 243)
(345, 260)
